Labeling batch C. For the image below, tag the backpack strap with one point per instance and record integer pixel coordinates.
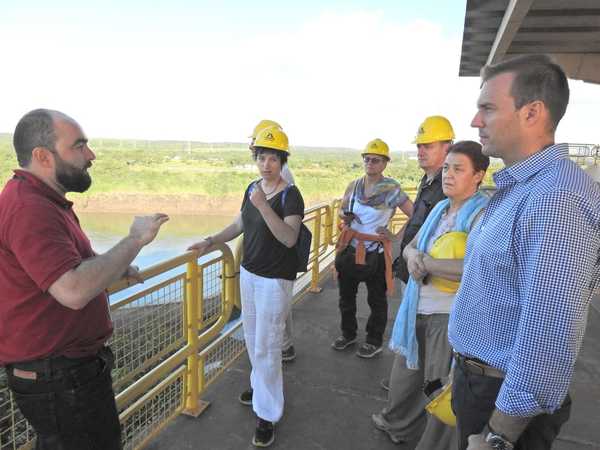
(253, 185)
(284, 194)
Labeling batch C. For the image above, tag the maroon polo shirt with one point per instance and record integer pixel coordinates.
(40, 240)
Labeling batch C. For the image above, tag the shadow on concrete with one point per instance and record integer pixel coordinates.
(331, 395)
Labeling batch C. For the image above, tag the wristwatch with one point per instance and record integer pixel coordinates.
(209, 239)
(497, 441)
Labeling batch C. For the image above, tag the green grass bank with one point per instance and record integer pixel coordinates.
(198, 178)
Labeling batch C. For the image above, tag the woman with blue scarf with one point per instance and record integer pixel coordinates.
(420, 335)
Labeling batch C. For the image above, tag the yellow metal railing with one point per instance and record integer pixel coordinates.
(175, 379)
(169, 339)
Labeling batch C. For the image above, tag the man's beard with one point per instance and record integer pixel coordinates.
(72, 178)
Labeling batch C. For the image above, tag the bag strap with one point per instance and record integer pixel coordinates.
(284, 194)
(253, 185)
(352, 199)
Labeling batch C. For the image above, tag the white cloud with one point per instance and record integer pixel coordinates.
(337, 80)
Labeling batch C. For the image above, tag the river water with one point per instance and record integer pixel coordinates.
(106, 229)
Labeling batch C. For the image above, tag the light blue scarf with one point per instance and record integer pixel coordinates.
(404, 339)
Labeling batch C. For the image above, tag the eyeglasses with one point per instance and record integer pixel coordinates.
(372, 159)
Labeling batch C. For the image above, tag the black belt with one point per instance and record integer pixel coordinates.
(477, 367)
(54, 367)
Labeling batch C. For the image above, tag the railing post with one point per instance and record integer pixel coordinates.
(231, 282)
(335, 221)
(193, 405)
(314, 281)
(235, 270)
(328, 240)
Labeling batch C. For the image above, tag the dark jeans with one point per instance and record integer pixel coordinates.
(473, 401)
(376, 298)
(71, 405)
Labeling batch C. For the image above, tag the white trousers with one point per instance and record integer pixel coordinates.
(265, 306)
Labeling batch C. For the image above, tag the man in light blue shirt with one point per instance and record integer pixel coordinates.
(531, 267)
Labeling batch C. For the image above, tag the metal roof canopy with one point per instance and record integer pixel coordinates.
(568, 30)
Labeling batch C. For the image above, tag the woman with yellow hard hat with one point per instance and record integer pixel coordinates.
(288, 352)
(286, 172)
(270, 218)
(368, 203)
(420, 335)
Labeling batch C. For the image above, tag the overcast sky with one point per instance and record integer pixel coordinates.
(333, 73)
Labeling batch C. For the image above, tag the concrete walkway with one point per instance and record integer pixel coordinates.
(331, 395)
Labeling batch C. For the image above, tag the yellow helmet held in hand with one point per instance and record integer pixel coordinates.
(377, 147)
(441, 405)
(273, 138)
(265, 123)
(434, 129)
(448, 246)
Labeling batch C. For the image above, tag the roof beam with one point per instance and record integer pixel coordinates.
(512, 20)
(581, 66)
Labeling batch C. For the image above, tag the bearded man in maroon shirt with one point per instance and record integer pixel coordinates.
(54, 314)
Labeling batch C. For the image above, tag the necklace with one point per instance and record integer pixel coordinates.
(274, 189)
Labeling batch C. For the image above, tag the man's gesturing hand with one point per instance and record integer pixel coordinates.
(145, 228)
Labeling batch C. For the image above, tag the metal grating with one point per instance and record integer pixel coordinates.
(147, 329)
(224, 352)
(14, 429)
(150, 415)
(212, 290)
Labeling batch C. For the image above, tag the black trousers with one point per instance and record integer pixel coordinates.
(473, 401)
(71, 404)
(376, 298)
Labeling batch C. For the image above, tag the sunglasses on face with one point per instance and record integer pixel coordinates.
(372, 159)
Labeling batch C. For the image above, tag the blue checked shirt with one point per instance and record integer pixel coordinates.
(531, 266)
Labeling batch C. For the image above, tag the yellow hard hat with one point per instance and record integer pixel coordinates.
(273, 138)
(448, 246)
(434, 129)
(265, 123)
(377, 147)
(440, 406)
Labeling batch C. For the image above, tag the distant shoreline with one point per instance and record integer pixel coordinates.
(187, 204)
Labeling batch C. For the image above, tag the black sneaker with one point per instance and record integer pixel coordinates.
(289, 354)
(246, 397)
(368, 350)
(264, 435)
(341, 343)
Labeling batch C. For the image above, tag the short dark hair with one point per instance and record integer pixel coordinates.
(35, 129)
(471, 150)
(283, 156)
(537, 77)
